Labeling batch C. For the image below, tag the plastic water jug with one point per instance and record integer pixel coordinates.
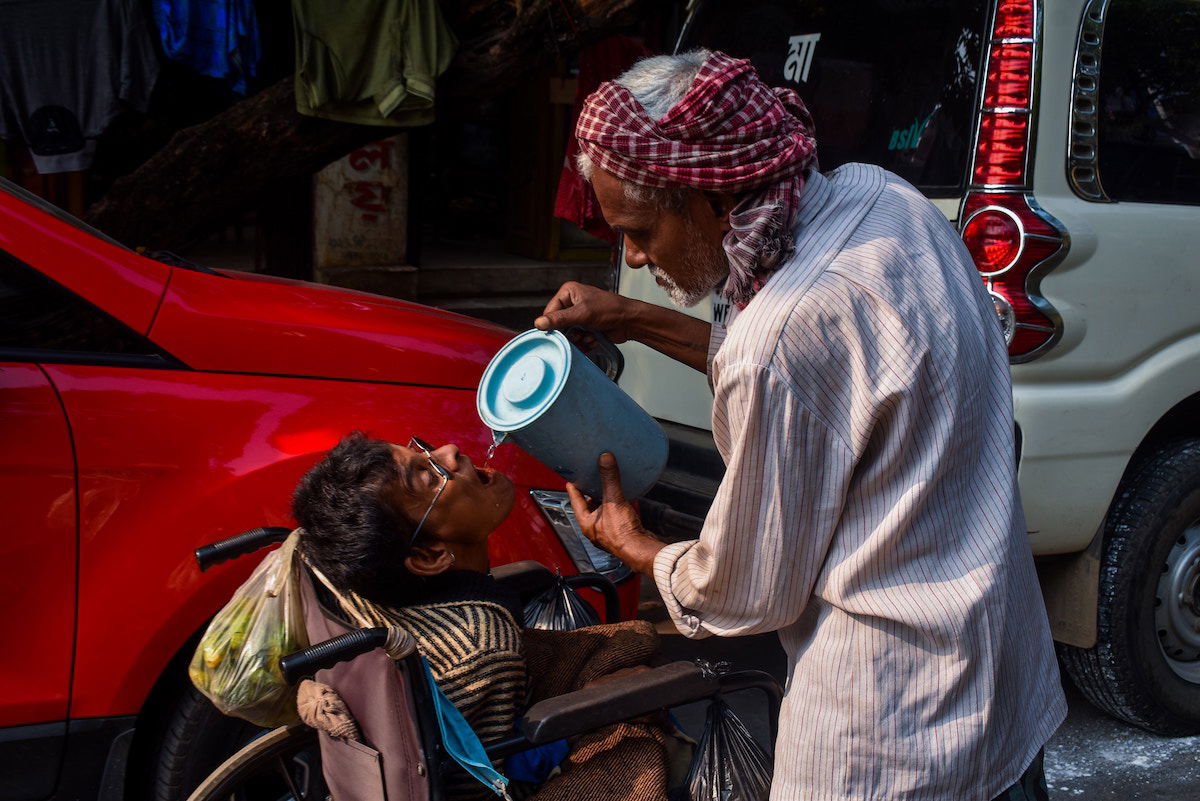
(544, 394)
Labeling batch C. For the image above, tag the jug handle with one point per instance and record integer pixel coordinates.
(605, 355)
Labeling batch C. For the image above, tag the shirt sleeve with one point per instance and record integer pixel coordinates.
(138, 60)
(765, 538)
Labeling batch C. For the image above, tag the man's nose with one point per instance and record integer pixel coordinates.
(634, 256)
(448, 456)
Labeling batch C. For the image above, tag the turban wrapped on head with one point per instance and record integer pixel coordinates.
(729, 133)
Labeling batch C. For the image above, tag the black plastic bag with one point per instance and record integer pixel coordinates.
(559, 608)
(729, 764)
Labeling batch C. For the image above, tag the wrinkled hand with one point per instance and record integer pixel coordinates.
(613, 524)
(580, 304)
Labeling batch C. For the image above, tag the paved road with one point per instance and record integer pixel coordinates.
(1096, 758)
(1092, 757)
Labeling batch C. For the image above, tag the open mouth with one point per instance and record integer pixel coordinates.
(485, 475)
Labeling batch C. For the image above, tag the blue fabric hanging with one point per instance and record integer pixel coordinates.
(217, 38)
(460, 740)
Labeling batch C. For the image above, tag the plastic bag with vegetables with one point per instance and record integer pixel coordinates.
(236, 664)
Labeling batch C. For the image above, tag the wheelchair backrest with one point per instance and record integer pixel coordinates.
(391, 764)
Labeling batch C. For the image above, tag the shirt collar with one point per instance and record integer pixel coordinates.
(813, 197)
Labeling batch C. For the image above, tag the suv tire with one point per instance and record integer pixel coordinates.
(1145, 666)
(197, 740)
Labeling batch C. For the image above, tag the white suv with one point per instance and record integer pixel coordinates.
(1063, 139)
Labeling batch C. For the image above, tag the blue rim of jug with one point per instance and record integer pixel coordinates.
(564, 347)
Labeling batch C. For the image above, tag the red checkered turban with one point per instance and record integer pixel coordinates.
(729, 133)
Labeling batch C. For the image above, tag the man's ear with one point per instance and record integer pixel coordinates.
(428, 560)
(722, 204)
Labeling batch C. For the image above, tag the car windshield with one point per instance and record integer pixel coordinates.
(163, 256)
(55, 211)
(888, 82)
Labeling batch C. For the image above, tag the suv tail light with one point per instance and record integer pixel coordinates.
(1012, 240)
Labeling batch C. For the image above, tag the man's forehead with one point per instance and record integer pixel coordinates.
(620, 210)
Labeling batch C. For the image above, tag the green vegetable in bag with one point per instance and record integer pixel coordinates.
(236, 664)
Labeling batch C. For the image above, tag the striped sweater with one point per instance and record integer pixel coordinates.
(468, 633)
(474, 653)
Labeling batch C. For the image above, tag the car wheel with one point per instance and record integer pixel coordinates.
(1145, 666)
(197, 740)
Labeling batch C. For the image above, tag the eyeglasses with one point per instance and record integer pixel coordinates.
(427, 449)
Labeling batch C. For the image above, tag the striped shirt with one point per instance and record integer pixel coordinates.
(869, 511)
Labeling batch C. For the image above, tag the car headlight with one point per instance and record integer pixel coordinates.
(588, 557)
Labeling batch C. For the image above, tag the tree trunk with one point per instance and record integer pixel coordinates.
(209, 172)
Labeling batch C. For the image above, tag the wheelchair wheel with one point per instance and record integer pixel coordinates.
(282, 765)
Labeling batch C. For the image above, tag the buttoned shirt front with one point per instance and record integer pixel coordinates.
(869, 511)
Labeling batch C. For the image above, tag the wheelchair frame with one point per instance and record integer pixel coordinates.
(291, 752)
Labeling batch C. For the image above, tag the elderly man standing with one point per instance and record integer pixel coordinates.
(869, 510)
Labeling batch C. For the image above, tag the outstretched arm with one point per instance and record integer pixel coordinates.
(673, 333)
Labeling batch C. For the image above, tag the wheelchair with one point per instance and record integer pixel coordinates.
(401, 756)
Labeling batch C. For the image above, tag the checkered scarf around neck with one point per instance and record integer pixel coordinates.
(729, 133)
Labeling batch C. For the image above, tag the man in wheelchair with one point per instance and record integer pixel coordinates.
(397, 535)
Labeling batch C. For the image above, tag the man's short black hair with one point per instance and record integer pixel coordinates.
(352, 534)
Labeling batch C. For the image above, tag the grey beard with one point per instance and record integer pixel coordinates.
(679, 296)
(707, 265)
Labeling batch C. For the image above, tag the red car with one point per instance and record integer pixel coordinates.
(150, 408)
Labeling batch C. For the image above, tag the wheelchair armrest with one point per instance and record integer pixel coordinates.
(617, 700)
(527, 579)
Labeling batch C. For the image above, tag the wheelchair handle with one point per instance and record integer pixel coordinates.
(756, 680)
(597, 581)
(329, 653)
(239, 545)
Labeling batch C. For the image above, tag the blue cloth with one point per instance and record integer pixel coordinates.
(217, 38)
(460, 740)
(535, 764)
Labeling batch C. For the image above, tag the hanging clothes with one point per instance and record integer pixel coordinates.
(576, 202)
(67, 68)
(217, 38)
(372, 62)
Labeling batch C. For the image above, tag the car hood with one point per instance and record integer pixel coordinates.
(249, 323)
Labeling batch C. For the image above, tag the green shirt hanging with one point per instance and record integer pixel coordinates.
(372, 62)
